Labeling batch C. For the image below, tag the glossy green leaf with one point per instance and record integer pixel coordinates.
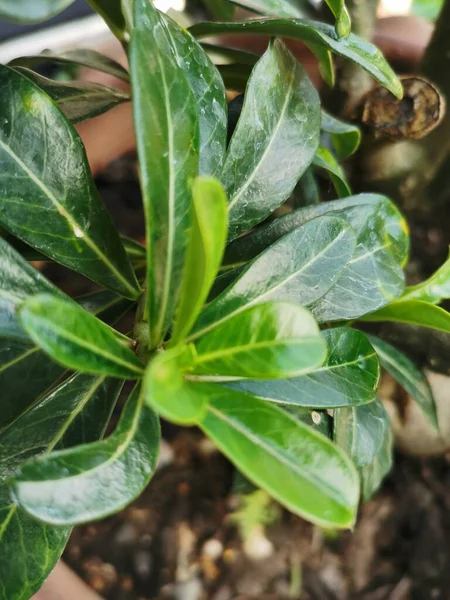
(78, 100)
(271, 340)
(111, 12)
(167, 132)
(26, 372)
(77, 339)
(325, 63)
(299, 467)
(49, 199)
(408, 375)
(324, 159)
(75, 58)
(357, 50)
(136, 252)
(204, 253)
(18, 281)
(67, 487)
(320, 421)
(76, 412)
(364, 432)
(31, 11)
(345, 137)
(435, 289)
(413, 312)
(276, 8)
(275, 139)
(170, 394)
(235, 76)
(340, 12)
(349, 376)
(300, 267)
(209, 91)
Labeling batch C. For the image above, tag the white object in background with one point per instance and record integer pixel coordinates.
(391, 8)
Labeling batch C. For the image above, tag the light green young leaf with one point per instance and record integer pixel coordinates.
(435, 289)
(204, 253)
(345, 137)
(408, 375)
(170, 394)
(357, 50)
(340, 12)
(311, 477)
(77, 339)
(67, 487)
(210, 95)
(271, 341)
(75, 58)
(300, 267)
(76, 412)
(275, 139)
(165, 117)
(413, 312)
(364, 432)
(31, 11)
(349, 376)
(77, 100)
(49, 199)
(325, 160)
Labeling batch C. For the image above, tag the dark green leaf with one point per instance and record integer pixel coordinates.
(300, 267)
(275, 139)
(220, 9)
(78, 100)
(170, 394)
(360, 51)
(111, 11)
(68, 487)
(77, 339)
(31, 11)
(76, 412)
(413, 312)
(136, 252)
(307, 191)
(75, 58)
(310, 476)
(276, 8)
(345, 137)
(318, 420)
(408, 375)
(236, 55)
(204, 253)
(235, 76)
(209, 91)
(325, 63)
(435, 289)
(343, 22)
(18, 281)
(272, 340)
(325, 160)
(364, 432)
(49, 199)
(165, 116)
(349, 376)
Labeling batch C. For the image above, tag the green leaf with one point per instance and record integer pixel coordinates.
(76, 412)
(300, 267)
(307, 191)
(271, 340)
(209, 91)
(299, 467)
(349, 376)
(345, 137)
(75, 58)
(413, 312)
(204, 253)
(325, 62)
(434, 290)
(171, 395)
(49, 199)
(67, 487)
(77, 339)
(77, 100)
(18, 357)
(409, 376)
(235, 76)
(325, 160)
(427, 9)
(340, 12)
(359, 51)
(31, 11)
(364, 432)
(165, 116)
(320, 421)
(276, 8)
(235, 55)
(18, 281)
(275, 139)
(111, 12)
(220, 9)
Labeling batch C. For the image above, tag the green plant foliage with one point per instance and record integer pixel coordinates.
(111, 11)
(428, 9)
(343, 22)
(31, 11)
(325, 160)
(413, 312)
(279, 8)
(345, 137)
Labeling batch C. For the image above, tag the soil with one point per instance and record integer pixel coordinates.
(177, 541)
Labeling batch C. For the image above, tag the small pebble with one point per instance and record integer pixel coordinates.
(213, 549)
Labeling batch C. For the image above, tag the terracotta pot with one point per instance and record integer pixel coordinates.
(63, 584)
